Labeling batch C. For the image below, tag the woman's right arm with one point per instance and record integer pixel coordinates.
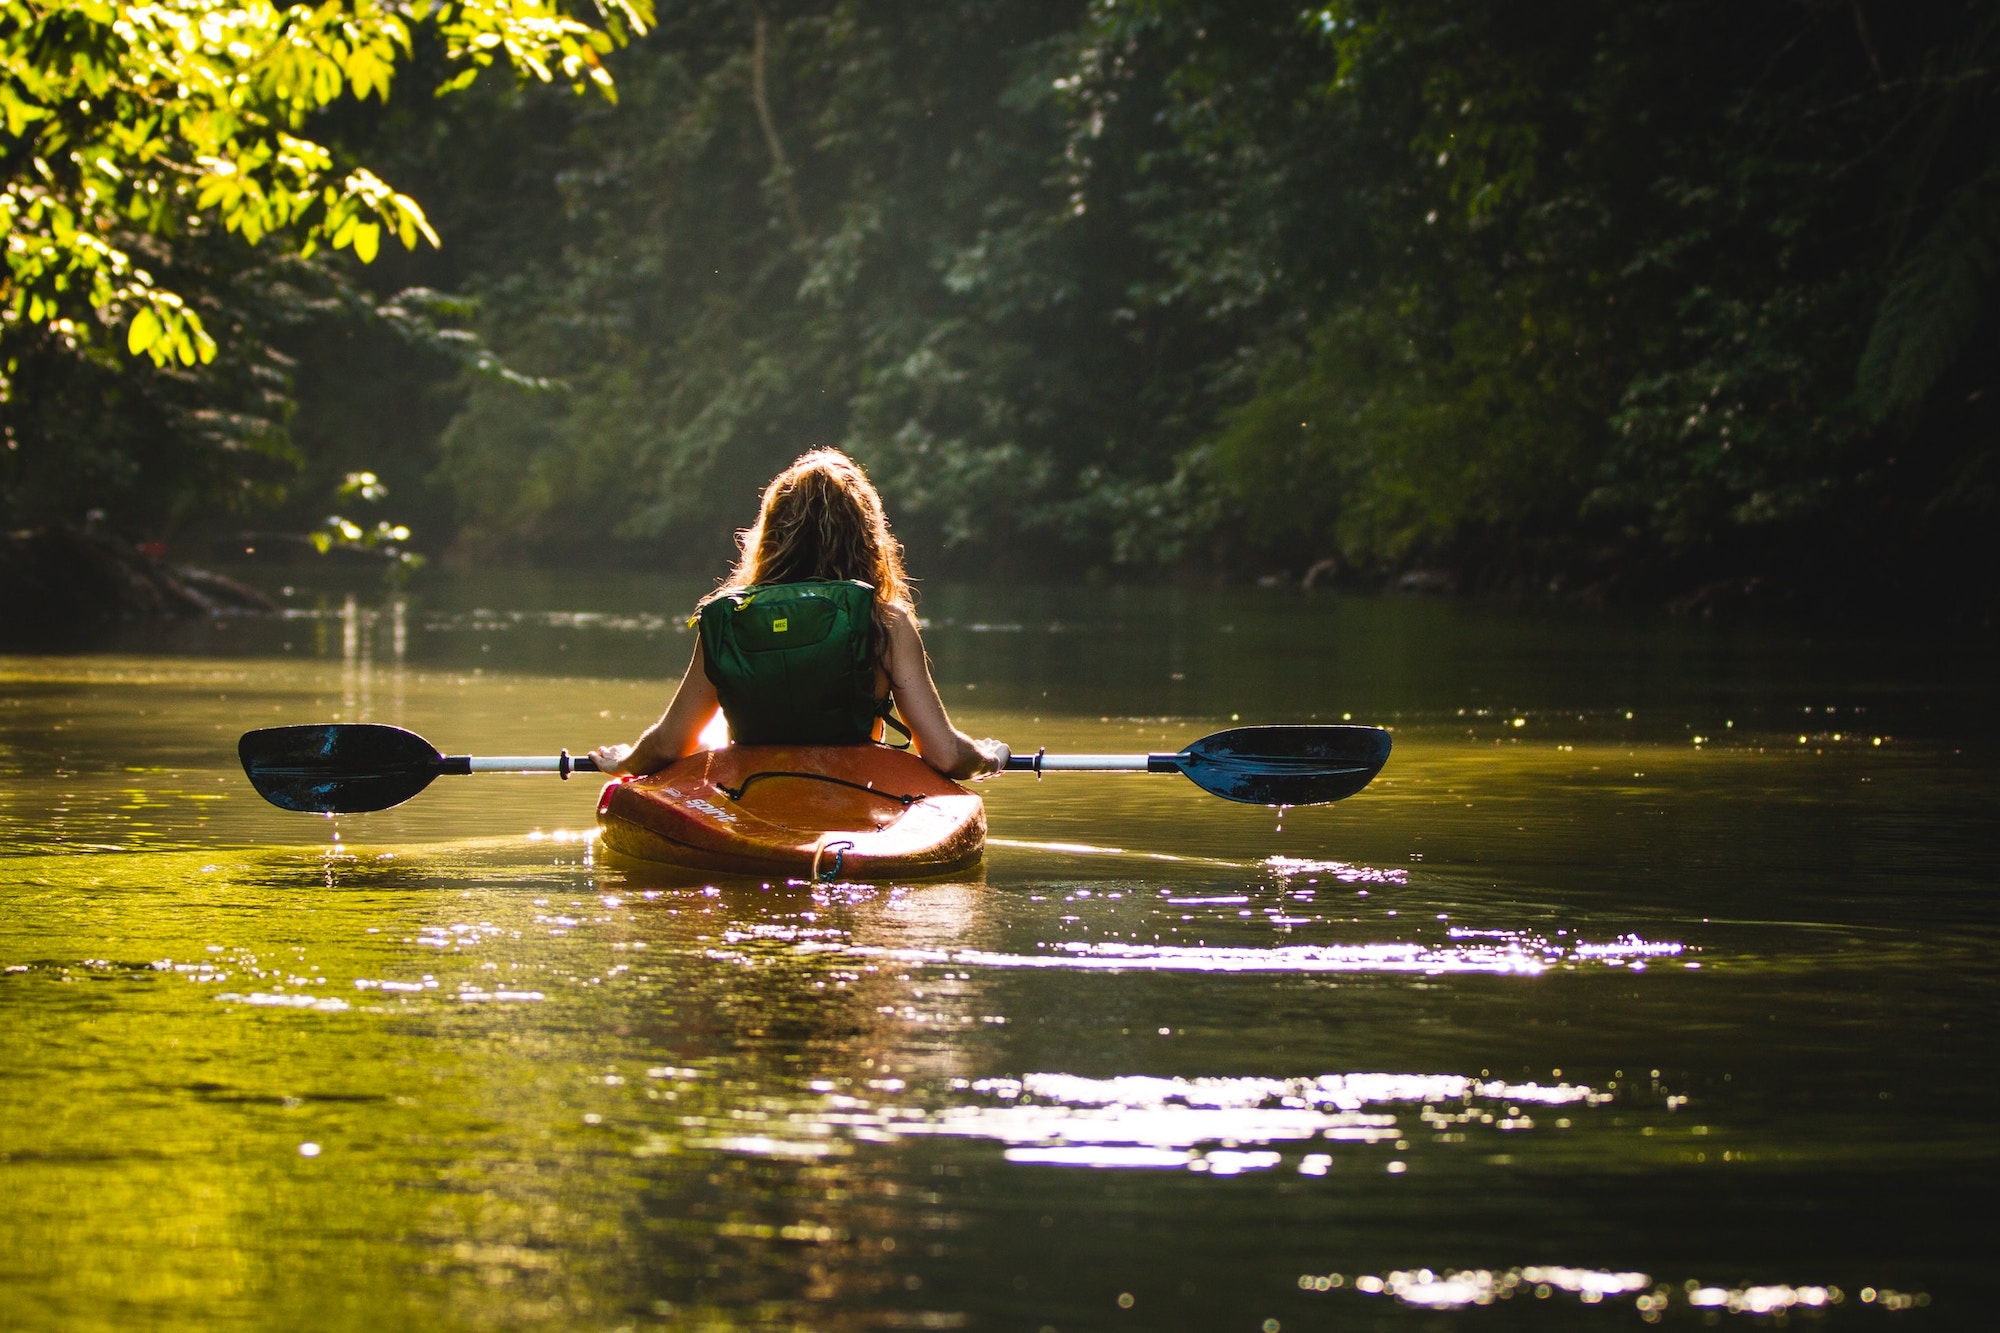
(676, 734)
(942, 746)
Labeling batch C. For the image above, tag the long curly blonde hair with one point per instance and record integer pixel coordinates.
(821, 518)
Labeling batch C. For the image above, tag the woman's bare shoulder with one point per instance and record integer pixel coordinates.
(905, 646)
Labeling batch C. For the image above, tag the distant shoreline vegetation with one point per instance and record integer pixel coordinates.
(1689, 306)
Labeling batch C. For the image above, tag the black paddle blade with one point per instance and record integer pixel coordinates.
(337, 768)
(1286, 765)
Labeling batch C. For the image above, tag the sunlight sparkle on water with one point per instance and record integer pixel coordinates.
(1217, 1126)
(326, 1004)
(561, 835)
(1103, 1155)
(1454, 1288)
(1457, 1288)
(1291, 867)
(1497, 952)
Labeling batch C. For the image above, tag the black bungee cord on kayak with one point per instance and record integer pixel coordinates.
(736, 793)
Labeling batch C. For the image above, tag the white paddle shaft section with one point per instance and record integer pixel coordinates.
(533, 763)
(1092, 763)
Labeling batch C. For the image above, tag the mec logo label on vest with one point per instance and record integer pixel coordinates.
(780, 625)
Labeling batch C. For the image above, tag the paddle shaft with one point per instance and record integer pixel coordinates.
(460, 764)
(1043, 762)
(564, 763)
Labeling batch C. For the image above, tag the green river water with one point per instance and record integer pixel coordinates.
(1653, 982)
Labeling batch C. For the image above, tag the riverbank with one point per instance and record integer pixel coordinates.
(60, 579)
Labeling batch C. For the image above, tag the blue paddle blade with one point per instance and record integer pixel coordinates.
(338, 768)
(1285, 765)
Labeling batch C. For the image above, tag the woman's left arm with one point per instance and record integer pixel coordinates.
(942, 746)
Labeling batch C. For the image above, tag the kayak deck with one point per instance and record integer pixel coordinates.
(806, 811)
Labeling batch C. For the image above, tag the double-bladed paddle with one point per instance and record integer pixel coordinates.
(350, 767)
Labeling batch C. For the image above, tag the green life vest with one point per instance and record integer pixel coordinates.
(794, 663)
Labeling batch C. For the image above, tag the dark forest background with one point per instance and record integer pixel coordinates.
(1686, 303)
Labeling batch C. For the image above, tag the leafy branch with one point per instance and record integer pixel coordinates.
(385, 538)
(171, 119)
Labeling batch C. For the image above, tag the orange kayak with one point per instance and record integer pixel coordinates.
(804, 812)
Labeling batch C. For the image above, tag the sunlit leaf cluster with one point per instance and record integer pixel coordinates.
(133, 129)
(385, 538)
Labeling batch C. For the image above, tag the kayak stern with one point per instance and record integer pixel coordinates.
(852, 812)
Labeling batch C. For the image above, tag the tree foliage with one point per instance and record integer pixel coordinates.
(1611, 296)
(826, 225)
(1554, 293)
(1596, 280)
(139, 136)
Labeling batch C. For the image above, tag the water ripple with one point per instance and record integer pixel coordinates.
(1452, 1289)
(1220, 1126)
(1471, 951)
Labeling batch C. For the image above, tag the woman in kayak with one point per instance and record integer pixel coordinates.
(812, 636)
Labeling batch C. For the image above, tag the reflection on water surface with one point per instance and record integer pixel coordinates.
(1570, 1018)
